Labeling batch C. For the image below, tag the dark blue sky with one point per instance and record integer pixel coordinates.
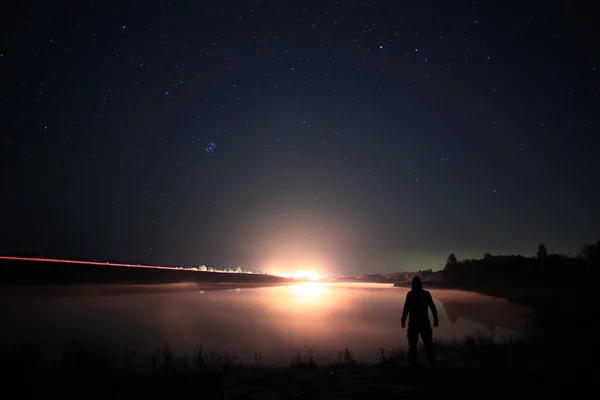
(348, 135)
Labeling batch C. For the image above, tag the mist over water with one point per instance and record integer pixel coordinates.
(275, 322)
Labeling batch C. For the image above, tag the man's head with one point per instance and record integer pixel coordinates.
(417, 284)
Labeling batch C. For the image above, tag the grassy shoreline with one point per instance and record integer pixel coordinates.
(84, 368)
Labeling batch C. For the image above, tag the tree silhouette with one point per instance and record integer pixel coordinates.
(542, 256)
(591, 253)
(511, 270)
(542, 253)
(452, 261)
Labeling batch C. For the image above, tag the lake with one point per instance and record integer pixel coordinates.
(275, 322)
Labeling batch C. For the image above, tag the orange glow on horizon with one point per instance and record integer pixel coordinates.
(310, 275)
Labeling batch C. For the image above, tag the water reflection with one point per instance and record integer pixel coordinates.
(275, 322)
(491, 312)
(309, 293)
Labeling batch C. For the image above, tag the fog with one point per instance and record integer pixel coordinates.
(275, 322)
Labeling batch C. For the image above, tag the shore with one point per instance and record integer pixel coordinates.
(473, 366)
(53, 272)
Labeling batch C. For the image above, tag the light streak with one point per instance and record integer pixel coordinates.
(60, 261)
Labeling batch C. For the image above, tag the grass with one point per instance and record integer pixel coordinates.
(96, 368)
(103, 358)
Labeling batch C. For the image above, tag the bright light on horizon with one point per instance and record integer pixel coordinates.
(310, 275)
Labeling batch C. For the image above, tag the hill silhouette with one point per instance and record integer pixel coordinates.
(15, 272)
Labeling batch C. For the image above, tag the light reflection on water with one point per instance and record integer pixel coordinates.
(276, 322)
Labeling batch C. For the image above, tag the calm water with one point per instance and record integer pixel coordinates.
(276, 322)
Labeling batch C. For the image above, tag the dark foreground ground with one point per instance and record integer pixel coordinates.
(471, 368)
(325, 383)
(554, 358)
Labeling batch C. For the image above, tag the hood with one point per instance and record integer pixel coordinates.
(417, 284)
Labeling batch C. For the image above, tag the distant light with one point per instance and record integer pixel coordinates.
(301, 275)
(124, 26)
(416, 49)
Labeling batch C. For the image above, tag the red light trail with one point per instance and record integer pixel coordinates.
(53, 260)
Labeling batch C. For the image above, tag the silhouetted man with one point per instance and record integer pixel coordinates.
(416, 307)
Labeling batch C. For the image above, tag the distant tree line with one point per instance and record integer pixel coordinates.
(542, 269)
(195, 267)
(219, 269)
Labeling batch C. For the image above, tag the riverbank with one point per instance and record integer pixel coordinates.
(474, 366)
(59, 272)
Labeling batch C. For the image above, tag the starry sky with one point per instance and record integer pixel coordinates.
(351, 136)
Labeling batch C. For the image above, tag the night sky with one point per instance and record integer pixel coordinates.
(346, 136)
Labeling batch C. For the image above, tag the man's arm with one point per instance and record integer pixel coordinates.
(431, 305)
(406, 308)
